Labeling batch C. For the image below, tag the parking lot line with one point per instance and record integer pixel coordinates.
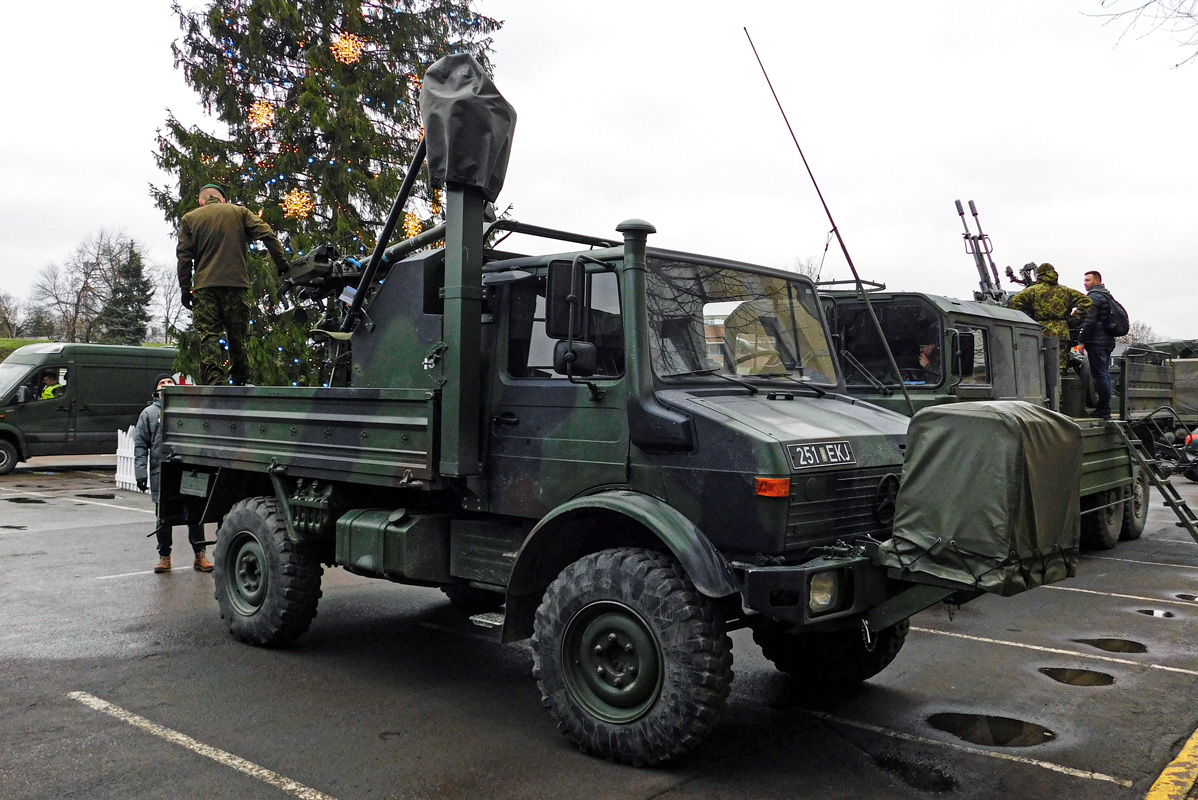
(75, 500)
(216, 754)
(1189, 603)
(1178, 779)
(911, 737)
(1056, 651)
(1149, 563)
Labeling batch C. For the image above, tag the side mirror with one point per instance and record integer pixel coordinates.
(581, 359)
(564, 279)
(963, 357)
(23, 395)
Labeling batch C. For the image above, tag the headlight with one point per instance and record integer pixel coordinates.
(823, 592)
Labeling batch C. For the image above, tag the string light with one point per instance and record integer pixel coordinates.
(262, 115)
(348, 48)
(297, 204)
(411, 225)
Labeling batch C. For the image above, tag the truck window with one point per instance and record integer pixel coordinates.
(530, 350)
(719, 319)
(913, 332)
(981, 358)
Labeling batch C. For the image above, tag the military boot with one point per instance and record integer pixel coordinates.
(164, 564)
(202, 564)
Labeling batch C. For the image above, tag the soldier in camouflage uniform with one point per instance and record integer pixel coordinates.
(1052, 304)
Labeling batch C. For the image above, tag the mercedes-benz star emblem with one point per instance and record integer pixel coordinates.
(884, 497)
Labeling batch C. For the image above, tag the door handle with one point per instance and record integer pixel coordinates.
(507, 418)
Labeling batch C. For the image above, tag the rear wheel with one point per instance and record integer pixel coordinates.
(632, 661)
(1101, 528)
(831, 660)
(8, 457)
(1135, 506)
(267, 587)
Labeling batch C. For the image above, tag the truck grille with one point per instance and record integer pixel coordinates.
(844, 504)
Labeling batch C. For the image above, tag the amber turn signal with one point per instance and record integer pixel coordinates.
(773, 487)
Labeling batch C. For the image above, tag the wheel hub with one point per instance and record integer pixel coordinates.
(247, 580)
(613, 662)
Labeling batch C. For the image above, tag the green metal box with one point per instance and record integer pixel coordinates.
(380, 542)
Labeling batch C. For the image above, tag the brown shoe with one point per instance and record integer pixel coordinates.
(202, 564)
(164, 564)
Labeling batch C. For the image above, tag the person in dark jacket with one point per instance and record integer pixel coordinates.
(147, 458)
(1096, 344)
(213, 240)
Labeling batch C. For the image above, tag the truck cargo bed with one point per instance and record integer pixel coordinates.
(379, 436)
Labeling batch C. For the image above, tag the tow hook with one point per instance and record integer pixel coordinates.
(867, 637)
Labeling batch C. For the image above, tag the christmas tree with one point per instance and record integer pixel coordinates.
(125, 314)
(318, 105)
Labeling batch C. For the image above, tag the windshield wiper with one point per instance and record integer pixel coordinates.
(714, 371)
(869, 376)
(803, 381)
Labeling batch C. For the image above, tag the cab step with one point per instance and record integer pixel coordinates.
(490, 619)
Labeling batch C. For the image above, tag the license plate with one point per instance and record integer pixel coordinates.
(820, 454)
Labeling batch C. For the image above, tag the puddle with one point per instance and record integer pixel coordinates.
(13, 527)
(1152, 612)
(1078, 677)
(1115, 645)
(1189, 597)
(100, 496)
(25, 500)
(920, 776)
(989, 730)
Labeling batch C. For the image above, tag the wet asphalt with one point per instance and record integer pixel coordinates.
(119, 683)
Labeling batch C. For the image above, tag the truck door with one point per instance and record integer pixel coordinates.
(549, 439)
(109, 395)
(47, 425)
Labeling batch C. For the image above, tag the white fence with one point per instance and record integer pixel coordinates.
(125, 476)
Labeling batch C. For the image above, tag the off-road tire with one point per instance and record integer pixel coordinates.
(1101, 529)
(472, 600)
(829, 661)
(8, 457)
(267, 587)
(1135, 506)
(663, 649)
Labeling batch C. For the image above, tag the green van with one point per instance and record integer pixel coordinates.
(70, 399)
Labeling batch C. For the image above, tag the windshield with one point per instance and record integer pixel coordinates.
(708, 319)
(913, 332)
(10, 375)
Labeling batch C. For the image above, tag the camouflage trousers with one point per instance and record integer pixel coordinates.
(222, 317)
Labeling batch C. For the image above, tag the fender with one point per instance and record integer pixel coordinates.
(546, 551)
(14, 435)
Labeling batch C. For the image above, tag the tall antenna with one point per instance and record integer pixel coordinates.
(843, 248)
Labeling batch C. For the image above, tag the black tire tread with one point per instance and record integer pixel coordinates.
(1133, 525)
(294, 583)
(9, 457)
(670, 729)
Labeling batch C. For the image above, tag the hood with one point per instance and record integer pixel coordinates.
(1046, 274)
(875, 435)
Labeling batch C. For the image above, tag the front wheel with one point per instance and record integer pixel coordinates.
(1135, 507)
(8, 457)
(830, 660)
(632, 661)
(267, 587)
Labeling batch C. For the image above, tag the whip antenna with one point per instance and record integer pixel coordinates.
(843, 248)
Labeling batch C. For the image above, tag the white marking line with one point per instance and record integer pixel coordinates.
(143, 572)
(1189, 603)
(977, 751)
(217, 755)
(77, 500)
(1057, 651)
(1149, 563)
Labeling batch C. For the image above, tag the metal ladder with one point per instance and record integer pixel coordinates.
(1149, 464)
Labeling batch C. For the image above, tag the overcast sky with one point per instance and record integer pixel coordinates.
(1071, 141)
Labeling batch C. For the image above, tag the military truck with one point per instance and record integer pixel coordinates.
(565, 436)
(93, 391)
(948, 350)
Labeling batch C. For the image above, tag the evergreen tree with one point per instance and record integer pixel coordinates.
(125, 314)
(318, 105)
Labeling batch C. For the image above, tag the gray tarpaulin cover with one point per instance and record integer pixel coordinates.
(989, 497)
(1185, 386)
(468, 125)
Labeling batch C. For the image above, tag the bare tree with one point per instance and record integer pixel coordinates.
(1138, 333)
(76, 292)
(168, 305)
(10, 315)
(1178, 17)
(810, 267)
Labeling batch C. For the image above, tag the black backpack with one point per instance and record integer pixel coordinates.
(1117, 322)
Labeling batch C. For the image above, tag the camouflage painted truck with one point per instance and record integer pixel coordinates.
(572, 438)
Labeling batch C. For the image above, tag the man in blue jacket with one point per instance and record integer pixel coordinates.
(1096, 343)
